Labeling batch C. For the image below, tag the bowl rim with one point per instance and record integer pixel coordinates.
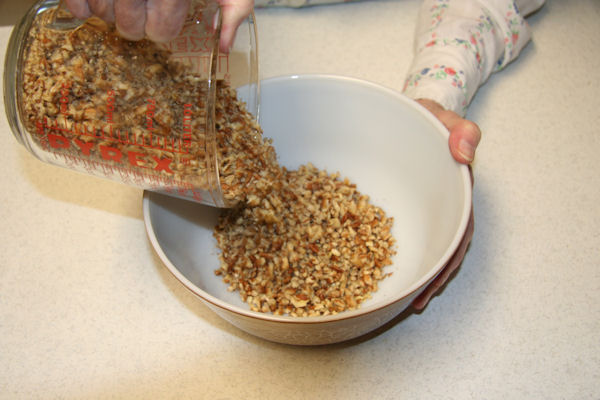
(413, 289)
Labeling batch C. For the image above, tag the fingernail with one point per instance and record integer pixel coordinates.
(466, 150)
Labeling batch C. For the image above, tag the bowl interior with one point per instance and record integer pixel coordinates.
(394, 151)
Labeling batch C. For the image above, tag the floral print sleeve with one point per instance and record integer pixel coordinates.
(295, 3)
(460, 43)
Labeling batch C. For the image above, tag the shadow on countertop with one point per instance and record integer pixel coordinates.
(11, 11)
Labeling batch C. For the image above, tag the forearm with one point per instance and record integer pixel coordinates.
(460, 43)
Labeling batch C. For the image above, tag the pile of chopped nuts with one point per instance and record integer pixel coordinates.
(312, 246)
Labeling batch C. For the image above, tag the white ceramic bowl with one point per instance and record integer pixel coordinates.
(391, 147)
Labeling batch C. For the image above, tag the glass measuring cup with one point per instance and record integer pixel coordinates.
(140, 113)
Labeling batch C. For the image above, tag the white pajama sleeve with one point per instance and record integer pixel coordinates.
(460, 43)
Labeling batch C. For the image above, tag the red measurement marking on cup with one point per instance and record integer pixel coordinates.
(200, 64)
(109, 153)
(193, 38)
(190, 44)
(65, 90)
(110, 106)
(187, 126)
(105, 132)
(196, 64)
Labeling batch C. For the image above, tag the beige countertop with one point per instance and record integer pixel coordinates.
(88, 311)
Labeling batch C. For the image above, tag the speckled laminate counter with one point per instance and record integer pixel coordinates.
(88, 311)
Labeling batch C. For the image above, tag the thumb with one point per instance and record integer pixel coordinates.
(464, 134)
(464, 138)
(233, 13)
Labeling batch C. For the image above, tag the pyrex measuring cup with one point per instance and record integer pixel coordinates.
(139, 113)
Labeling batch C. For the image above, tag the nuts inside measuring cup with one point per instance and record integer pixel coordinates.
(127, 108)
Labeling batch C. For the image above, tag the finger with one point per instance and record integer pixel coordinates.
(463, 141)
(130, 18)
(165, 18)
(79, 8)
(233, 13)
(103, 9)
(421, 301)
(464, 134)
